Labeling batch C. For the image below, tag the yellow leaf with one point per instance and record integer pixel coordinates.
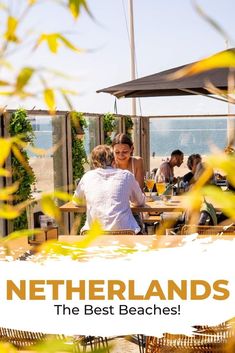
(5, 63)
(9, 189)
(4, 172)
(6, 347)
(75, 6)
(52, 41)
(95, 231)
(224, 162)
(223, 199)
(67, 43)
(42, 151)
(5, 148)
(21, 234)
(6, 93)
(21, 158)
(12, 24)
(4, 83)
(64, 196)
(223, 59)
(9, 212)
(49, 207)
(32, 2)
(53, 345)
(6, 192)
(49, 98)
(23, 78)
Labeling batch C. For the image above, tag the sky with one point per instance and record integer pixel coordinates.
(168, 33)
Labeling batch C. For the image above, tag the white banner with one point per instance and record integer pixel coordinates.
(148, 291)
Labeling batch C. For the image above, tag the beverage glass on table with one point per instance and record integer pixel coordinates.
(149, 182)
(160, 185)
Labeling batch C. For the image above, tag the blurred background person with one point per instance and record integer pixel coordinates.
(192, 162)
(166, 170)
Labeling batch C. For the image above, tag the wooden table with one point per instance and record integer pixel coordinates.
(176, 204)
(156, 206)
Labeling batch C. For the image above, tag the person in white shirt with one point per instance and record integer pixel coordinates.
(107, 193)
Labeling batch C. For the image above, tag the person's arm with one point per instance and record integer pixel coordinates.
(136, 196)
(164, 172)
(139, 171)
(79, 195)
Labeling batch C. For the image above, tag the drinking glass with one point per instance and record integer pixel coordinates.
(160, 185)
(149, 182)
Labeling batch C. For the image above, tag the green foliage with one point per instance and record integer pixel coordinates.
(109, 125)
(79, 157)
(20, 125)
(109, 122)
(128, 125)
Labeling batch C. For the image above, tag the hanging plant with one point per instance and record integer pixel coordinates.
(128, 125)
(79, 157)
(21, 125)
(109, 124)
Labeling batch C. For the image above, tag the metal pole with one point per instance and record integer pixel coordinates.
(132, 45)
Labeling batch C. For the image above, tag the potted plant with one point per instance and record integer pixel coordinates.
(78, 123)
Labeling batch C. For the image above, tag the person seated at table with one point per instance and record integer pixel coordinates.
(107, 193)
(192, 163)
(166, 169)
(123, 149)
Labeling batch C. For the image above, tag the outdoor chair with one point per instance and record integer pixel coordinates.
(113, 232)
(206, 339)
(208, 230)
